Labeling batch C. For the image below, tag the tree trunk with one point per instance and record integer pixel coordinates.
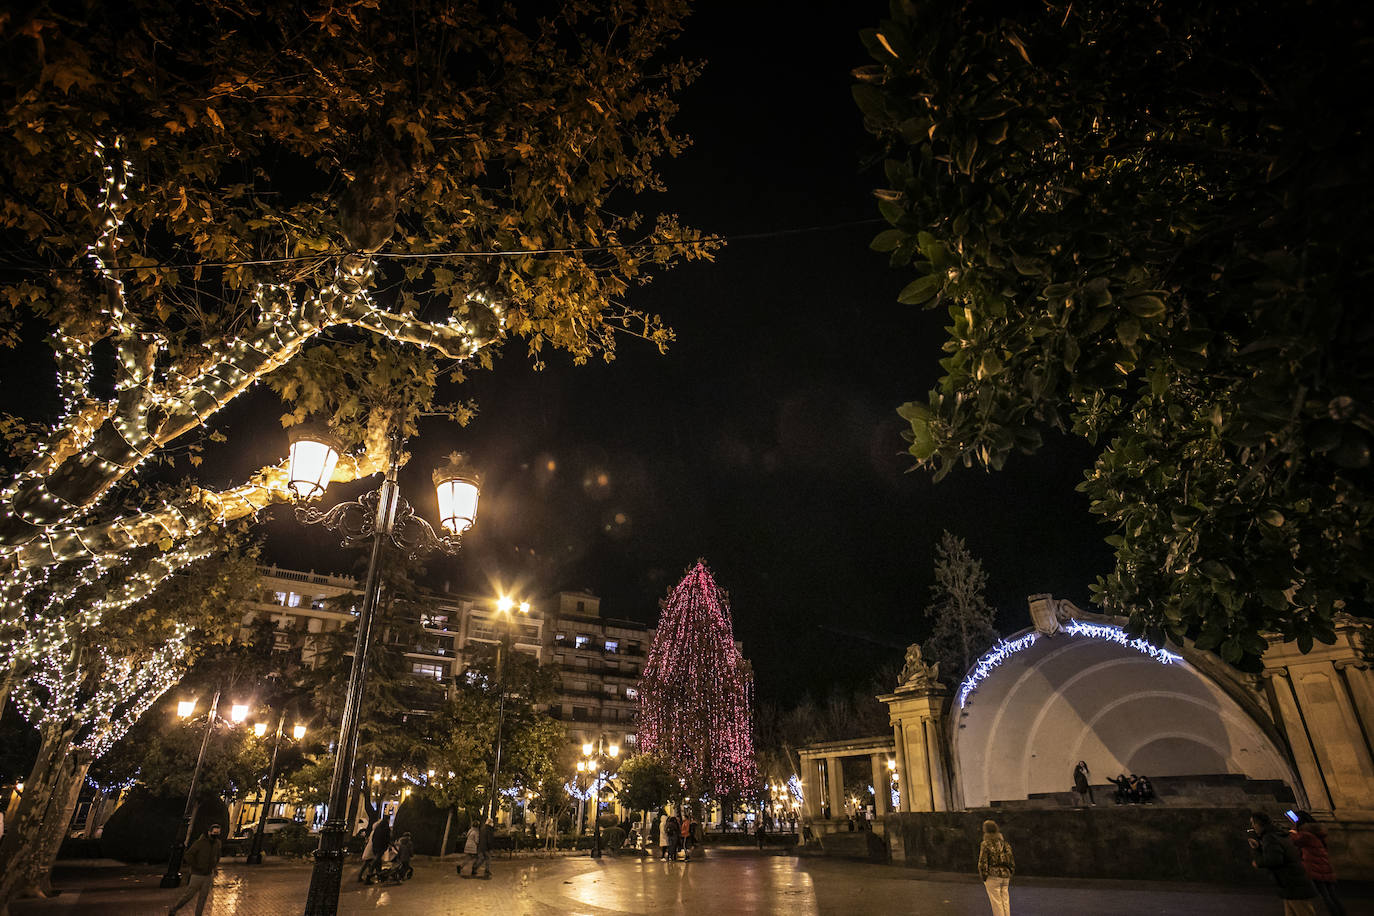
(50, 793)
(443, 844)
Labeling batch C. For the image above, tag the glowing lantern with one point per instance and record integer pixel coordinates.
(457, 486)
(314, 452)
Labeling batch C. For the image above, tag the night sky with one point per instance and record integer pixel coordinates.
(766, 441)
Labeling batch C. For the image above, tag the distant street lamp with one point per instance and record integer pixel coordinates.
(185, 710)
(260, 729)
(503, 607)
(597, 756)
(375, 518)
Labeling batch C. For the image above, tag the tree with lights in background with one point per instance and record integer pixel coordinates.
(697, 693)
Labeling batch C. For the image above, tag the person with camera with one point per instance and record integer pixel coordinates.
(1270, 848)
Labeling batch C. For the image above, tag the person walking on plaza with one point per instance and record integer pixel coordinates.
(1310, 838)
(1270, 848)
(484, 837)
(377, 844)
(202, 858)
(996, 866)
(1082, 783)
(470, 844)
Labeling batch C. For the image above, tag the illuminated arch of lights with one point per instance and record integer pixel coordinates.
(1005, 649)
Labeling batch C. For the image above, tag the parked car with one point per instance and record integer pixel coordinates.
(272, 826)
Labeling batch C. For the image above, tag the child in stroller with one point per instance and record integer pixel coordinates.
(396, 863)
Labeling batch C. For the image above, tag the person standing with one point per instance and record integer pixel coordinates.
(377, 844)
(1310, 838)
(686, 834)
(202, 858)
(674, 836)
(1271, 849)
(1082, 783)
(996, 865)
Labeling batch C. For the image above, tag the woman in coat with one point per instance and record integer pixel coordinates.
(1310, 838)
(1082, 783)
(996, 866)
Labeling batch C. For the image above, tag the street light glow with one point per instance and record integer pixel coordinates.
(238, 712)
(186, 708)
(259, 728)
(457, 487)
(314, 452)
(298, 732)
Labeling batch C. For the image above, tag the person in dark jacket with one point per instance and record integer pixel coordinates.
(484, 837)
(674, 836)
(376, 848)
(1082, 783)
(1310, 838)
(202, 858)
(1270, 848)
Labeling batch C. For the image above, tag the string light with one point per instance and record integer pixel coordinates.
(696, 695)
(1006, 649)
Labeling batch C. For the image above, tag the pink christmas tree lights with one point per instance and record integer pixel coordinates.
(697, 693)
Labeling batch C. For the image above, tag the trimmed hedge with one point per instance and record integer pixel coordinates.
(144, 827)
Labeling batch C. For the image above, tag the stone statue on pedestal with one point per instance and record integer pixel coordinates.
(916, 673)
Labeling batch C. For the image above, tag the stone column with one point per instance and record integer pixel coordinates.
(811, 787)
(835, 771)
(880, 784)
(903, 775)
(1319, 698)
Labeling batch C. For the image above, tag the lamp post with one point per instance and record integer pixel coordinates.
(297, 732)
(185, 709)
(597, 756)
(378, 517)
(503, 607)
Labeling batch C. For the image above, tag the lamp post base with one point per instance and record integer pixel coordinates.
(327, 875)
(173, 876)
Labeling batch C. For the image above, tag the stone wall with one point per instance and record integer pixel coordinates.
(1140, 842)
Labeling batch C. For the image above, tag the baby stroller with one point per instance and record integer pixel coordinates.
(395, 866)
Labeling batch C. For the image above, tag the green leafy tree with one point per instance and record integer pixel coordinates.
(964, 626)
(646, 783)
(1147, 226)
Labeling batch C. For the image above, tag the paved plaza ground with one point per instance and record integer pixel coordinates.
(724, 883)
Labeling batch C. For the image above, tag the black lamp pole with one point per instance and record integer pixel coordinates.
(255, 853)
(173, 876)
(379, 516)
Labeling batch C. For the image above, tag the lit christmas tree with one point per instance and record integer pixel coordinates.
(697, 694)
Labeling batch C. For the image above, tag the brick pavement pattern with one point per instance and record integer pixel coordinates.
(719, 885)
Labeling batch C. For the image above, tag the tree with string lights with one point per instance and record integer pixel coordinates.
(197, 200)
(697, 692)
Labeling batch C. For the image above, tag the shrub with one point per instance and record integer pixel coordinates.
(143, 828)
(292, 841)
(612, 838)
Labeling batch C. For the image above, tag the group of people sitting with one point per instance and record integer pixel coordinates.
(1132, 790)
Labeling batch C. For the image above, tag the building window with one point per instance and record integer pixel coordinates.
(631, 740)
(579, 714)
(612, 645)
(281, 598)
(631, 693)
(427, 669)
(581, 641)
(611, 690)
(434, 621)
(581, 607)
(293, 600)
(560, 637)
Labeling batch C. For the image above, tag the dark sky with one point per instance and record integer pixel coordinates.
(766, 441)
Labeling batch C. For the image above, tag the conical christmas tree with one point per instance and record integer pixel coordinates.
(697, 694)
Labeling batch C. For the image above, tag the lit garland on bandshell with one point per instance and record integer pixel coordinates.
(696, 695)
(1005, 650)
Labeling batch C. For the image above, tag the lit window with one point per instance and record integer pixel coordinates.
(560, 637)
(281, 598)
(631, 740)
(631, 693)
(293, 600)
(424, 669)
(581, 641)
(612, 645)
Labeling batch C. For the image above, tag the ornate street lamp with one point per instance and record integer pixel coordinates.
(260, 729)
(376, 518)
(503, 607)
(185, 710)
(598, 755)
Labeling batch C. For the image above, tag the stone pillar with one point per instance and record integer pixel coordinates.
(917, 716)
(835, 772)
(903, 796)
(811, 787)
(1323, 699)
(880, 783)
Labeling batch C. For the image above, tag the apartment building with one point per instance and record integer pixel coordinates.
(600, 660)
